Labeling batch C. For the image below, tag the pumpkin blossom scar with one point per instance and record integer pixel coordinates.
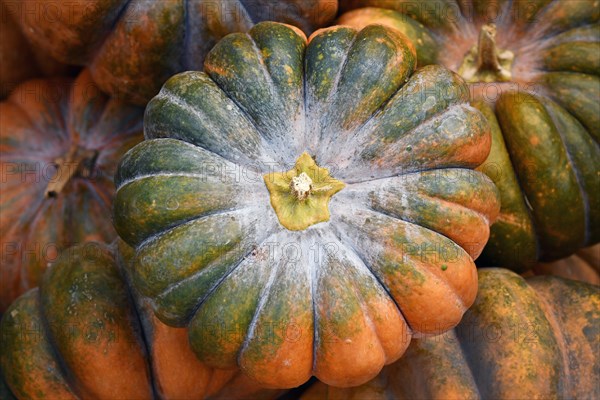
(300, 196)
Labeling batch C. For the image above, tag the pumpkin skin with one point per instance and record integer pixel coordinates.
(133, 47)
(582, 266)
(80, 336)
(545, 157)
(393, 254)
(18, 60)
(61, 140)
(534, 338)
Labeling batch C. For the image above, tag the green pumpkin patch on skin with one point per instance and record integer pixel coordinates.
(266, 156)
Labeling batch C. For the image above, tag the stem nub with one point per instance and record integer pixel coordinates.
(301, 186)
(485, 62)
(76, 161)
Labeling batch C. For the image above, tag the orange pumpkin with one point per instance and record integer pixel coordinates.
(61, 140)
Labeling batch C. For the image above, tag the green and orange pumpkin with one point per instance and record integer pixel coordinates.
(133, 46)
(534, 71)
(522, 339)
(61, 140)
(305, 209)
(83, 334)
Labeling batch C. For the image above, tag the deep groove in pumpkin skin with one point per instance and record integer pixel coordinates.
(173, 286)
(273, 88)
(363, 314)
(121, 181)
(173, 98)
(33, 223)
(522, 178)
(362, 131)
(464, 164)
(65, 371)
(362, 302)
(112, 138)
(518, 301)
(94, 191)
(560, 338)
(334, 89)
(313, 265)
(425, 271)
(246, 115)
(163, 174)
(351, 186)
(136, 304)
(274, 141)
(210, 292)
(113, 142)
(114, 23)
(576, 170)
(263, 297)
(158, 235)
(348, 244)
(400, 218)
(352, 134)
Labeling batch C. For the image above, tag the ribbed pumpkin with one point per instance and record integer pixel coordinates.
(306, 209)
(79, 336)
(61, 140)
(582, 266)
(18, 60)
(522, 339)
(133, 46)
(536, 64)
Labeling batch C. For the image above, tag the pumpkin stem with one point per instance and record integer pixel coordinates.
(484, 62)
(301, 186)
(76, 161)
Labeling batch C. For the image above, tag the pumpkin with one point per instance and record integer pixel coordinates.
(533, 69)
(133, 47)
(80, 336)
(306, 208)
(18, 60)
(61, 140)
(5, 392)
(522, 339)
(582, 266)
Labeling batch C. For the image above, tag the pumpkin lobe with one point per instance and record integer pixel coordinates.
(485, 62)
(300, 196)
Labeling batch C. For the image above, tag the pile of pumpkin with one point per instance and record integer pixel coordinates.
(217, 206)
